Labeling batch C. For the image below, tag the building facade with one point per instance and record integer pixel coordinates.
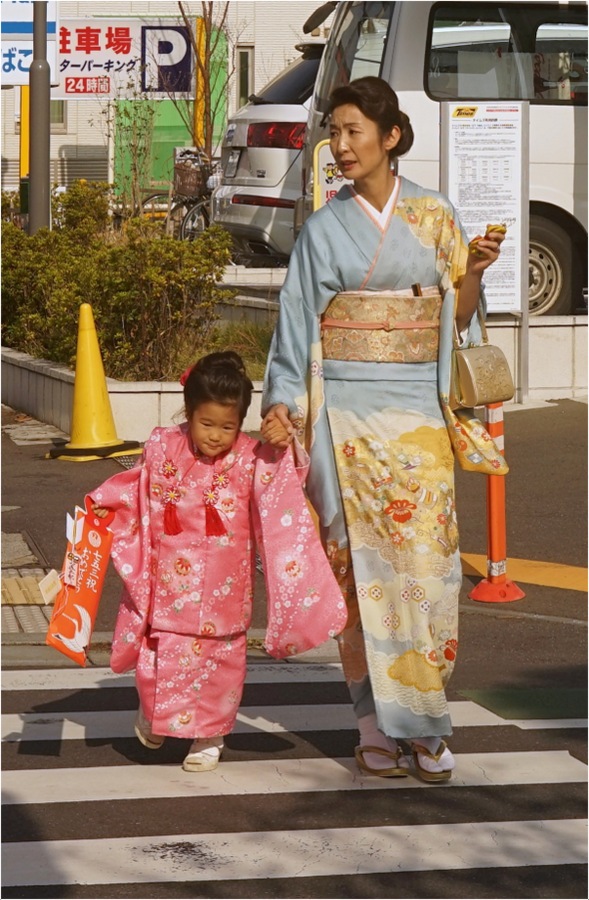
(261, 39)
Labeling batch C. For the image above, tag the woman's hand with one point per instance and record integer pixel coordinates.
(101, 511)
(484, 251)
(487, 251)
(277, 428)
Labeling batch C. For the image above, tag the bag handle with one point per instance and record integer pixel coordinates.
(484, 334)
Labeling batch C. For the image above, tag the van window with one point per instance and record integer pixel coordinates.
(509, 51)
(356, 49)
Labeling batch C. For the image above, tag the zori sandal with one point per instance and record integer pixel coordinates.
(203, 755)
(144, 733)
(395, 771)
(441, 775)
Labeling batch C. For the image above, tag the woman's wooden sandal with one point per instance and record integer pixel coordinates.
(444, 775)
(395, 771)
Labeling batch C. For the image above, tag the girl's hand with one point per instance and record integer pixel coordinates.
(101, 511)
(277, 428)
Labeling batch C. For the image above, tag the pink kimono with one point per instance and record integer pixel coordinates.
(184, 546)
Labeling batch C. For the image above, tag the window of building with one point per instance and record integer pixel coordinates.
(245, 70)
(57, 115)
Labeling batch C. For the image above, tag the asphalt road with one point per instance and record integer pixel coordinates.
(287, 815)
(546, 502)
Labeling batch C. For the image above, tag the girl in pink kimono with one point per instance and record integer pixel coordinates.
(185, 522)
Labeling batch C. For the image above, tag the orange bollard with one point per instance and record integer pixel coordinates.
(496, 588)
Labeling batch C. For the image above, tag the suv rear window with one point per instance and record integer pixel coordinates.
(295, 83)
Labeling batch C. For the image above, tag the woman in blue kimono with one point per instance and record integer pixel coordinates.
(359, 370)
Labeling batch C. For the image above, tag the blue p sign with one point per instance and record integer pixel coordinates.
(166, 54)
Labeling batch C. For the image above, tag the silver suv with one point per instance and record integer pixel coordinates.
(261, 163)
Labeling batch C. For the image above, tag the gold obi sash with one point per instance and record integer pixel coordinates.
(383, 326)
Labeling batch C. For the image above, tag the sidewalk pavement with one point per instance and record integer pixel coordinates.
(546, 447)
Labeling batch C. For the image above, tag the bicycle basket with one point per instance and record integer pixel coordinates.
(190, 178)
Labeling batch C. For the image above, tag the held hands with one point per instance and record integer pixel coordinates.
(277, 428)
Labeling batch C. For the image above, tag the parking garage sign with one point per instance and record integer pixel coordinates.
(123, 59)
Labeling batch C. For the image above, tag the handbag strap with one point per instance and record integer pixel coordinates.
(484, 334)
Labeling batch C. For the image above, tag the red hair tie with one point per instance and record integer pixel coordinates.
(184, 375)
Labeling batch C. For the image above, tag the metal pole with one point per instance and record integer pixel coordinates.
(523, 355)
(40, 128)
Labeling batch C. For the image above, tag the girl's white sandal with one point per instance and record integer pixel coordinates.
(144, 733)
(203, 755)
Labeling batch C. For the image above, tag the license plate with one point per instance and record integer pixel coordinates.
(232, 164)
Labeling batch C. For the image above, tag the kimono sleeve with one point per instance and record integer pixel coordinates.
(127, 494)
(456, 259)
(305, 604)
(310, 284)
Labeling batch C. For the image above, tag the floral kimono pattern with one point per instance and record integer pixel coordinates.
(188, 586)
(381, 475)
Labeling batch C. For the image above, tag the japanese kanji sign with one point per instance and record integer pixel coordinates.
(123, 58)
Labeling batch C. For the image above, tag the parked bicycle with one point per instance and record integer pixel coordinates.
(184, 209)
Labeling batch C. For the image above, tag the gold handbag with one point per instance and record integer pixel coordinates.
(480, 375)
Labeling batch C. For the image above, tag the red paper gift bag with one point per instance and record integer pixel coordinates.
(82, 577)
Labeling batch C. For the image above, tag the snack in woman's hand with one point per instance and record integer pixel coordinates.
(498, 229)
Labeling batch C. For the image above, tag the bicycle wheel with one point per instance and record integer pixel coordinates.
(155, 207)
(195, 221)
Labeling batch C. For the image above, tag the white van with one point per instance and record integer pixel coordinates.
(435, 52)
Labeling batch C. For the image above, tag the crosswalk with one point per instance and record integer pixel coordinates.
(287, 813)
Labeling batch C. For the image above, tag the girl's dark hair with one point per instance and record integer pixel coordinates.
(218, 378)
(377, 100)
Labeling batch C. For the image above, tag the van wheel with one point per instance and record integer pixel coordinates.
(553, 264)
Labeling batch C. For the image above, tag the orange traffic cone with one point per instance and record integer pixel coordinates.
(93, 434)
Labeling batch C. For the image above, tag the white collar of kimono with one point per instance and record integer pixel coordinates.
(381, 216)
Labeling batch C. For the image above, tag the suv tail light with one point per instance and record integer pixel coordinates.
(284, 135)
(255, 200)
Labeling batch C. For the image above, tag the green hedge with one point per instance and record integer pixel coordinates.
(152, 296)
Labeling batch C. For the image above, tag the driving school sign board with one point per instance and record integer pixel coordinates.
(123, 59)
(327, 178)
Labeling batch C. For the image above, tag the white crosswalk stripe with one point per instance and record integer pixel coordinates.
(260, 777)
(340, 846)
(275, 854)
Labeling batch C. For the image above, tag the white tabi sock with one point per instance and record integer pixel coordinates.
(446, 761)
(371, 736)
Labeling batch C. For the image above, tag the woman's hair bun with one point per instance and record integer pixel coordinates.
(406, 139)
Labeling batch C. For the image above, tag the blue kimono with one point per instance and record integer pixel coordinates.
(361, 357)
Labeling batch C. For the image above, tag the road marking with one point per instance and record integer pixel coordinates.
(80, 726)
(530, 571)
(33, 432)
(93, 725)
(267, 672)
(293, 854)
(277, 776)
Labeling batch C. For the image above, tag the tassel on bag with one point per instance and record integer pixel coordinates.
(171, 522)
(214, 526)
